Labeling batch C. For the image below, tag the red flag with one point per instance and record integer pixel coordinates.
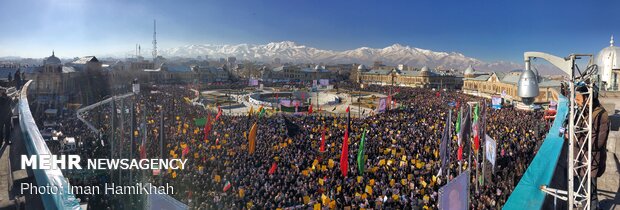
(344, 156)
(459, 154)
(219, 113)
(207, 128)
(323, 140)
(476, 143)
(273, 168)
(185, 151)
(347, 108)
(438, 94)
(310, 109)
(142, 152)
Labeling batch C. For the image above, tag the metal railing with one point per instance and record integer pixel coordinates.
(35, 145)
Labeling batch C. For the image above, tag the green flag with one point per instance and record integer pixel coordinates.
(475, 113)
(360, 154)
(261, 113)
(200, 122)
(458, 122)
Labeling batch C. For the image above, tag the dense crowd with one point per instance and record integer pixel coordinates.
(401, 151)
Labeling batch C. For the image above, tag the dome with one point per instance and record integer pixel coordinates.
(470, 70)
(608, 59)
(361, 67)
(424, 69)
(52, 59)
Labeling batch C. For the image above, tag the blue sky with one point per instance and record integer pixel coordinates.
(488, 30)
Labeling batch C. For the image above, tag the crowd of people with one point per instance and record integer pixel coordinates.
(401, 170)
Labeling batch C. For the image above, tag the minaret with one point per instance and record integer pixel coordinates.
(611, 42)
(154, 41)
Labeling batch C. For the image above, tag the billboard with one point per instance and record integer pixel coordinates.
(324, 82)
(454, 195)
(491, 150)
(382, 104)
(253, 82)
(496, 102)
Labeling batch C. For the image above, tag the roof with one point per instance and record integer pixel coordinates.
(500, 75)
(86, 59)
(278, 68)
(179, 68)
(378, 72)
(511, 79)
(52, 59)
(68, 69)
(483, 77)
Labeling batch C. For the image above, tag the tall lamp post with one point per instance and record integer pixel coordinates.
(359, 101)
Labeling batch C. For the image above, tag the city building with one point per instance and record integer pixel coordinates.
(290, 73)
(424, 78)
(504, 85)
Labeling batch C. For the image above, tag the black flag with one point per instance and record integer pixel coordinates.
(444, 147)
(292, 129)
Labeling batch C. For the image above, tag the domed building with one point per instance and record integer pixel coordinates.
(608, 61)
(470, 72)
(52, 64)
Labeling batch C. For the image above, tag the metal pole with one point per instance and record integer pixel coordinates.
(131, 133)
(571, 138)
(161, 140)
(111, 143)
(120, 142)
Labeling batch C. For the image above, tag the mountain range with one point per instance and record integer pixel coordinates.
(288, 51)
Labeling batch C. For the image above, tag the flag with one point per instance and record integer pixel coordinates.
(227, 186)
(261, 112)
(344, 155)
(310, 109)
(444, 146)
(491, 150)
(252, 139)
(207, 128)
(454, 195)
(273, 168)
(322, 149)
(458, 125)
(476, 129)
(219, 113)
(360, 154)
(250, 111)
(292, 129)
(465, 127)
(185, 151)
(200, 122)
(348, 119)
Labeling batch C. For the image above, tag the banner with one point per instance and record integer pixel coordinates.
(163, 201)
(496, 102)
(454, 195)
(324, 82)
(491, 150)
(382, 104)
(314, 83)
(253, 82)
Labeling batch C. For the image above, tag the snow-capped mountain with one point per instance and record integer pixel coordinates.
(288, 51)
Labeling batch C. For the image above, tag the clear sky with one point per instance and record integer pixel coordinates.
(489, 30)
